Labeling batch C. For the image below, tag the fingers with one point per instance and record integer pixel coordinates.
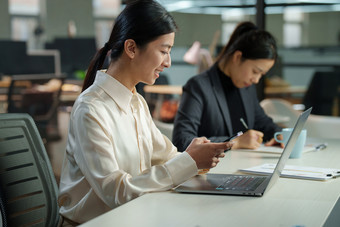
(221, 155)
(269, 143)
(252, 139)
(200, 140)
(205, 153)
(230, 144)
(259, 136)
(221, 147)
(220, 152)
(273, 142)
(215, 161)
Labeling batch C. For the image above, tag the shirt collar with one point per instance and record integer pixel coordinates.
(117, 91)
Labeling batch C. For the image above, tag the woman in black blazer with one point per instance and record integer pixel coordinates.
(214, 102)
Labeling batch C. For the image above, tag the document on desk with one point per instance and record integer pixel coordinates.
(292, 171)
(278, 150)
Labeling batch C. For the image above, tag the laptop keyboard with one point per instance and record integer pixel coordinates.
(245, 183)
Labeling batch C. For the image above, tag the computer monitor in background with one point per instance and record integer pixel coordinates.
(15, 60)
(75, 54)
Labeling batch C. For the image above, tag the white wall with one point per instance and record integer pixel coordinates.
(323, 29)
(60, 12)
(196, 27)
(5, 25)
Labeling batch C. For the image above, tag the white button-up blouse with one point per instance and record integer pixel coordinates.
(115, 152)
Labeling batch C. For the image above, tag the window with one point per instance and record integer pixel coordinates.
(24, 21)
(292, 27)
(231, 18)
(102, 31)
(104, 13)
(24, 7)
(106, 8)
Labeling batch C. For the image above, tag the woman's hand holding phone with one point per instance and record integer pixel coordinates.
(233, 137)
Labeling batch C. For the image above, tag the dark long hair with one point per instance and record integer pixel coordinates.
(251, 41)
(141, 20)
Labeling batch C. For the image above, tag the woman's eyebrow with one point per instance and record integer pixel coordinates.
(166, 45)
(258, 68)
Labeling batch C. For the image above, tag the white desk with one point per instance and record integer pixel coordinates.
(163, 89)
(290, 202)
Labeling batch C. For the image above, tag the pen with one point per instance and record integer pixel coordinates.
(260, 139)
(320, 146)
(244, 123)
(334, 174)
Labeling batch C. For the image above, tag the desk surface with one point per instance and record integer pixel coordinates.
(174, 89)
(163, 89)
(288, 90)
(290, 202)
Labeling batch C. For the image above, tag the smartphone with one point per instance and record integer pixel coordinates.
(233, 137)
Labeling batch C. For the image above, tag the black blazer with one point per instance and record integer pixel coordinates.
(203, 111)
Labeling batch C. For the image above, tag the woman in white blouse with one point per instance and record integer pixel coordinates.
(115, 152)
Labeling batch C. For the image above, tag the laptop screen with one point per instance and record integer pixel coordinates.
(289, 146)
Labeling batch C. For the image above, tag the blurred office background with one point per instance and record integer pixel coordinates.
(47, 37)
(308, 34)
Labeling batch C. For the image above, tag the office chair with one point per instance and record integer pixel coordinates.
(3, 215)
(26, 177)
(30, 94)
(322, 93)
(317, 126)
(165, 128)
(280, 107)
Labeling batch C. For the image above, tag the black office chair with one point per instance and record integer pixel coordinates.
(35, 95)
(323, 92)
(3, 213)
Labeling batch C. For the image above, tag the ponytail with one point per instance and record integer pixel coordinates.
(240, 30)
(95, 64)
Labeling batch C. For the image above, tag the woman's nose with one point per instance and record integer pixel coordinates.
(256, 79)
(167, 61)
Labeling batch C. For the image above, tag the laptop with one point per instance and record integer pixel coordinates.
(247, 185)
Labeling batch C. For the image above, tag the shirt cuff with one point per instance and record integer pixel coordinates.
(181, 168)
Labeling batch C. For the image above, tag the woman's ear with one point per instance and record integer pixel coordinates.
(237, 56)
(130, 48)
